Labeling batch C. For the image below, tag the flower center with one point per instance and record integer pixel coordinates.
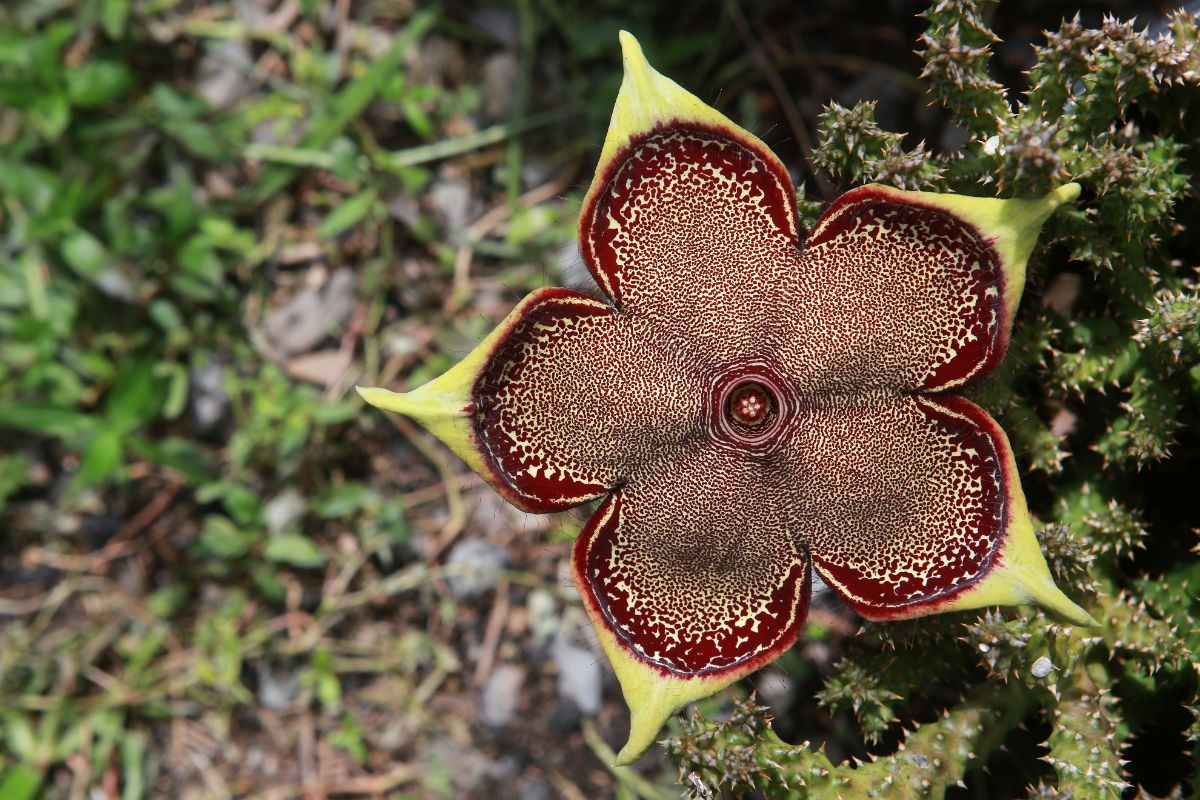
(750, 407)
(750, 404)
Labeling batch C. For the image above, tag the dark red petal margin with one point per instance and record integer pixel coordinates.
(902, 498)
(694, 227)
(895, 293)
(696, 580)
(572, 395)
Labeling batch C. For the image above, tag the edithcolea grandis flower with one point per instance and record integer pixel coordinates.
(747, 409)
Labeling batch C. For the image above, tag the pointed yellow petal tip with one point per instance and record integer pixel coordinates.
(649, 99)
(1051, 598)
(1012, 225)
(652, 695)
(445, 404)
(1028, 216)
(631, 49)
(385, 400)
(1022, 576)
(644, 726)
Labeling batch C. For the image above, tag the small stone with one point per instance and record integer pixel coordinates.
(501, 75)
(451, 200)
(283, 511)
(474, 567)
(531, 787)
(276, 690)
(579, 676)
(499, 22)
(209, 399)
(502, 694)
(573, 273)
(543, 621)
(303, 322)
(1063, 423)
(322, 367)
(1042, 667)
(437, 60)
(819, 587)
(221, 75)
(1062, 293)
(466, 768)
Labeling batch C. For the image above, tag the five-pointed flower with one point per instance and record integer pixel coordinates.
(747, 410)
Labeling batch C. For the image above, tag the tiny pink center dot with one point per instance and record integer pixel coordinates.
(750, 404)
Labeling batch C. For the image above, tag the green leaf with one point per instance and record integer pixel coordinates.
(136, 398)
(334, 413)
(349, 737)
(14, 49)
(14, 473)
(133, 765)
(348, 214)
(45, 420)
(182, 455)
(344, 499)
(19, 737)
(198, 258)
(166, 601)
(166, 315)
(293, 549)
(50, 115)
(84, 253)
(324, 680)
(266, 580)
(97, 83)
(114, 16)
(350, 102)
(198, 138)
(101, 459)
(20, 783)
(242, 503)
(221, 538)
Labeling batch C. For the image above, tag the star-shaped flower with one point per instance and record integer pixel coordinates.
(747, 410)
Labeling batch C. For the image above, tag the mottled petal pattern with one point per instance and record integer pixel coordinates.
(573, 396)
(895, 294)
(691, 225)
(897, 521)
(909, 291)
(693, 574)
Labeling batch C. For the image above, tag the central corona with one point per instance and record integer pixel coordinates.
(750, 404)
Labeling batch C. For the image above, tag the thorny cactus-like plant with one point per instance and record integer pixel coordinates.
(1099, 393)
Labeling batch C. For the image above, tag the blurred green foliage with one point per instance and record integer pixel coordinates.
(162, 563)
(142, 221)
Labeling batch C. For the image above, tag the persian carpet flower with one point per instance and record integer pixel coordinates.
(747, 410)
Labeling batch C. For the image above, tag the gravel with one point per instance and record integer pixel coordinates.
(776, 688)
(579, 676)
(502, 694)
(283, 510)
(307, 319)
(1042, 667)
(475, 567)
(210, 402)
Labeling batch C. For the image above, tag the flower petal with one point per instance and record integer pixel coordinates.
(558, 401)
(689, 218)
(692, 579)
(911, 290)
(911, 505)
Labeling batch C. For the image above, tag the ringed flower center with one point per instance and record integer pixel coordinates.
(750, 404)
(750, 408)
